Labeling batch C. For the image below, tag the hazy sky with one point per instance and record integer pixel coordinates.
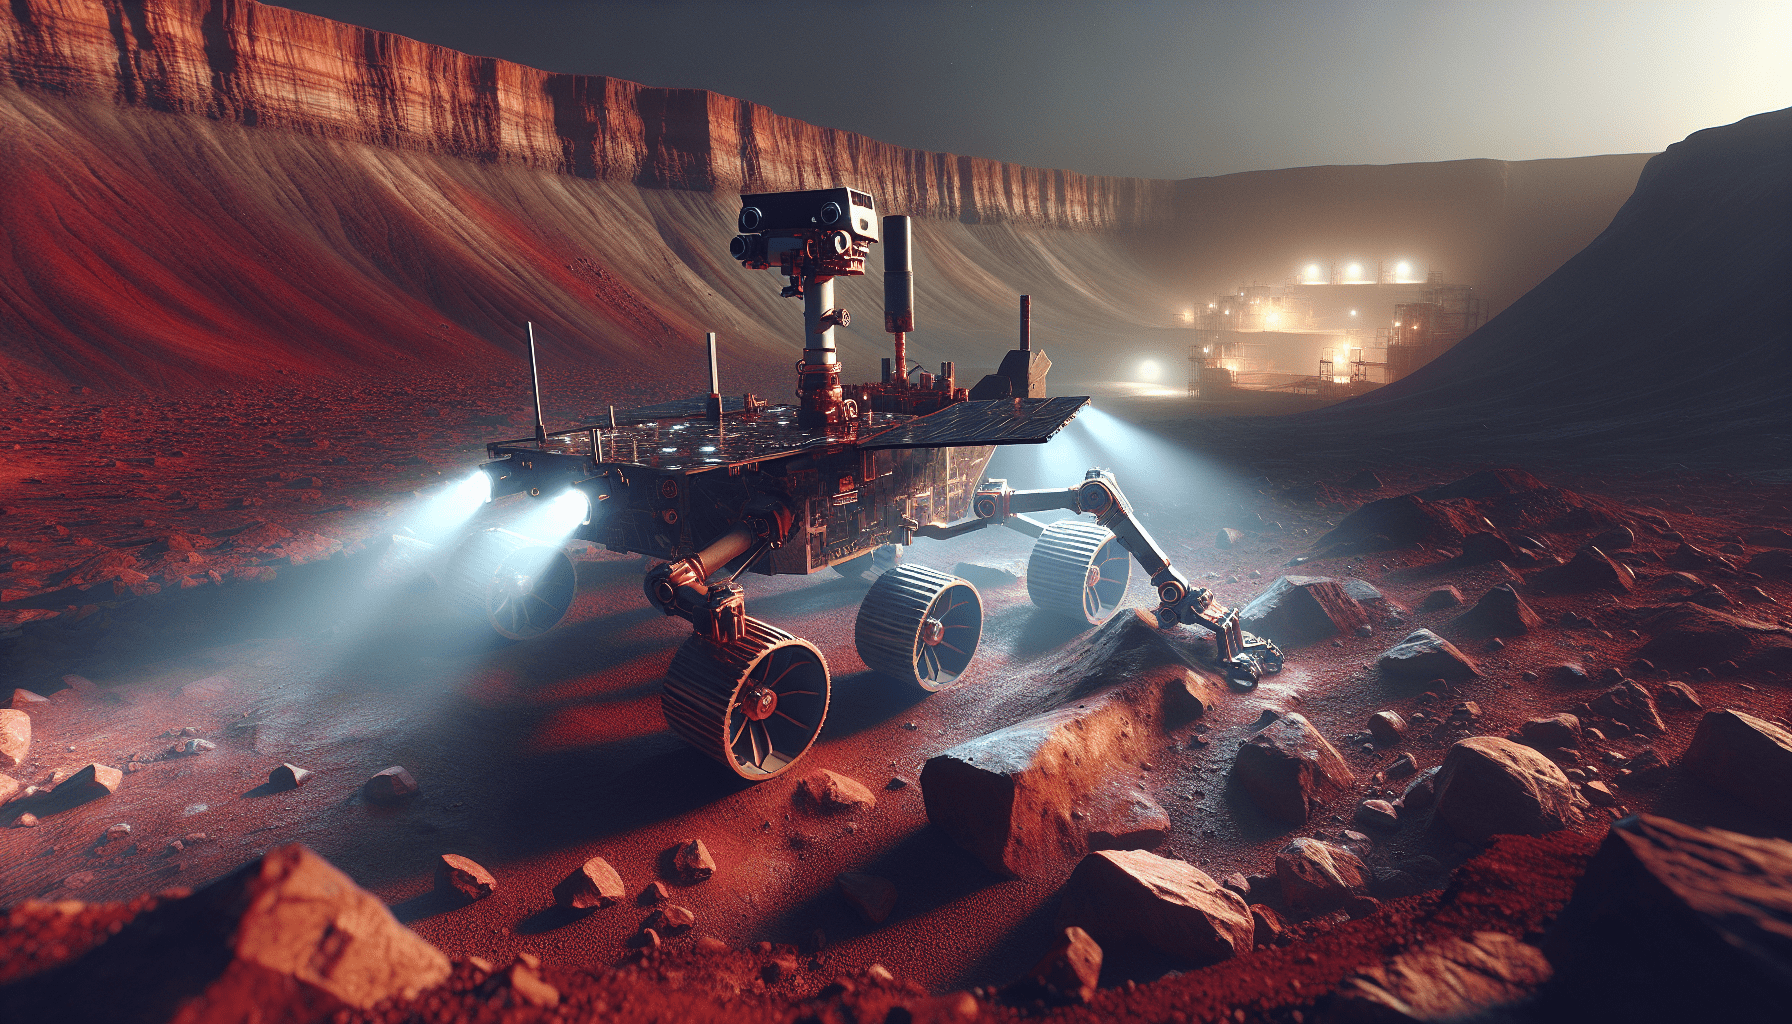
(1166, 89)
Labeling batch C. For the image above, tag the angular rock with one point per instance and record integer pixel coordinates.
(1387, 727)
(1488, 786)
(1133, 896)
(94, 780)
(656, 892)
(1745, 757)
(1772, 564)
(1441, 598)
(593, 885)
(1675, 923)
(1552, 733)
(391, 786)
(1618, 538)
(286, 937)
(1404, 520)
(462, 875)
(1318, 876)
(25, 700)
(1481, 548)
(1768, 537)
(9, 788)
(1589, 569)
(1631, 703)
(1068, 972)
(1298, 610)
(15, 737)
(691, 862)
(1449, 980)
(1690, 636)
(1680, 697)
(1568, 674)
(1487, 483)
(1227, 538)
(1290, 770)
(873, 897)
(1691, 556)
(1424, 655)
(1378, 606)
(670, 919)
(1267, 929)
(833, 793)
(1598, 794)
(1133, 822)
(522, 979)
(1500, 612)
(288, 776)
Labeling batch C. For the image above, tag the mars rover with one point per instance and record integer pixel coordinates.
(841, 481)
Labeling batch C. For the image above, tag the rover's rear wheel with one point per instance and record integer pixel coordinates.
(920, 625)
(517, 585)
(1078, 570)
(756, 704)
(872, 564)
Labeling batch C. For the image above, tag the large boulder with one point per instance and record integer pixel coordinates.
(1690, 636)
(1317, 876)
(15, 737)
(1488, 785)
(1500, 612)
(1745, 757)
(1423, 656)
(1133, 896)
(1675, 923)
(1290, 770)
(1378, 606)
(285, 938)
(1450, 980)
(1303, 610)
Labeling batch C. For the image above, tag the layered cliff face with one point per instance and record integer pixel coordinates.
(203, 187)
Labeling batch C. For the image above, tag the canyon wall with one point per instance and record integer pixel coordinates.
(195, 188)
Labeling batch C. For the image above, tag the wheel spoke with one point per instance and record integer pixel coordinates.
(800, 725)
(798, 693)
(945, 644)
(743, 728)
(763, 731)
(753, 738)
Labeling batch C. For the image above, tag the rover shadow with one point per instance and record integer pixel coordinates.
(867, 699)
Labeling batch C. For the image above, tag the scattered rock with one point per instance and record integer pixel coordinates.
(1689, 636)
(1768, 537)
(871, 896)
(1569, 674)
(833, 793)
(1483, 547)
(1425, 655)
(1364, 481)
(95, 780)
(1771, 563)
(1680, 696)
(691, 862)
(1403, 766)
(1317, 876)
(1131, 895)
(1630, 703)
(1598, 794)
(288, 776)
(1421, 792)
(1227, 538)
(1618, 538)
(1069, 972)
(1404, 520)
(462, 875)
(187, 748)
(1267, 928)
(1387, 727)
(1552, 733)
(1745, 757)
(1691, 556)
(1448, 980)
(1500, 612)
(26, 820)
(286, 937)
(15, 737)
(1378, 813)
(594, 885)
(393, 785)
(1290, 770)
(9, 788)
(1488, 785)
(656, 892)
(1441, 598)
(1298, 610)
(521, 978)
(670, 919)
(1674, 923)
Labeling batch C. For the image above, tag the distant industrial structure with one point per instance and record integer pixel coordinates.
(1362, 328)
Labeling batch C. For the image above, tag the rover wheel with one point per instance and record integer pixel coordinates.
(755, 704)
(1078, 570)
(517, 585)
(872, 564)
(920, 625)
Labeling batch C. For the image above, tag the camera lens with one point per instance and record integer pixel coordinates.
(750, 218)
(831, 213)
(839, 242)
(741, 247)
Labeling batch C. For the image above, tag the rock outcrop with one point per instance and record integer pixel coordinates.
(1455, 979)
(1745, 757)
(1290, 770)
(1299, 610)
(1424, 655)
(286, 937)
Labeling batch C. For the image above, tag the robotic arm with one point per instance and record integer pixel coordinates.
(1246, 658)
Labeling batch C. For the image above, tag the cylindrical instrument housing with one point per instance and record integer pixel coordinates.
(1026, 323)
(899, 277)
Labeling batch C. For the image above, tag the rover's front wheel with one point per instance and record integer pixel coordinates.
(756, 704)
